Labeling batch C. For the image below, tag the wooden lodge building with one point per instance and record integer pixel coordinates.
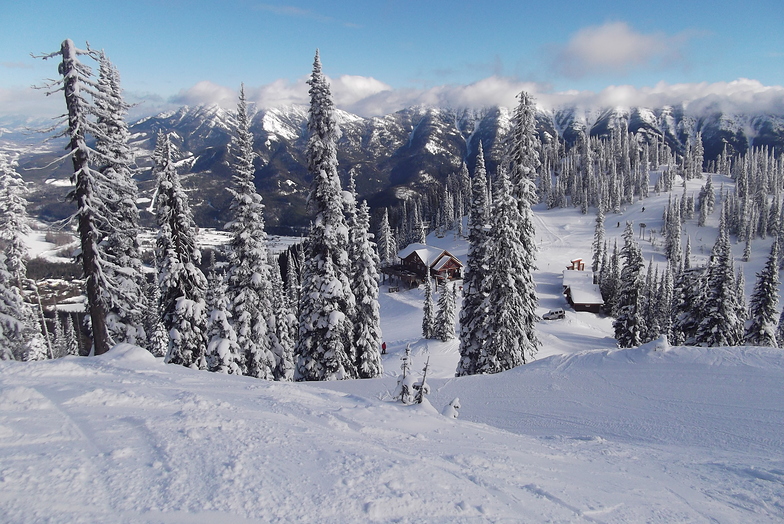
(579, 288)
(420, 260)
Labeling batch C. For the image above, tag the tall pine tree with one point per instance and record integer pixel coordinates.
(76, 85)
(125, 298)
(761, 327)
(324, 346)
(511, 299)
(722, 319)
(181, 281)
(473, 314)
(249, 285)
(629, 324)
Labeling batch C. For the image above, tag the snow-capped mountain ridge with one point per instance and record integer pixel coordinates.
(408, 149)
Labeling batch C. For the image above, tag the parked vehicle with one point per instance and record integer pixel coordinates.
(554, 314)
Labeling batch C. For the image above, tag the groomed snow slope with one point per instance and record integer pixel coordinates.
(653, 434)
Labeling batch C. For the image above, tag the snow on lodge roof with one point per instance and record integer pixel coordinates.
(427, 254)
(580, 290)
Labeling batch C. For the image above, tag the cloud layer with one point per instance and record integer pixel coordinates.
(367, 96)
(615, 48)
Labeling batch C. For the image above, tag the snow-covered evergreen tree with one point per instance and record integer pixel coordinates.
(13, 219)
(473, 314)
(628, 325)
(157, 337)
(125, 299)
(761, 327)
(181, 281)
(223, 352)
(249, 284)
(387, 246)
(511, 299)
(76, 84)
(598, 240)
(722, 319)
(71, 341)
(58, 346)
(324, 346)
(445, 317)
(282, 329)
(404, 391)
(428, 312)
(20, 336)
(364, 283)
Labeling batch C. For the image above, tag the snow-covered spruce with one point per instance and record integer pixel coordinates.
(761, 326)
(249, 286)
(364, 284)
(181, 281)
(472, 314)
(445, 317)
(327, 304)
(723, 317)
(428, 311)
(223, 352)
(628, 325)
(125, 298)
(510, 303)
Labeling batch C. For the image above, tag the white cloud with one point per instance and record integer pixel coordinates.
(279, 93)
(206, 92)
(615, 48)
(366, 96)
(742, 96)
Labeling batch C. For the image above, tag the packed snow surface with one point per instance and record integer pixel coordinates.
(654, 434)
(585, 433)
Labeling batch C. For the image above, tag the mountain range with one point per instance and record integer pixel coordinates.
(391, 156)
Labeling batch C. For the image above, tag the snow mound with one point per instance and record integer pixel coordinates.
(124, 355)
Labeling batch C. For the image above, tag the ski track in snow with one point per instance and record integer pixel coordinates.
(585, 433)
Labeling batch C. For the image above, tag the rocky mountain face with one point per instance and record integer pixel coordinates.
(391, 156)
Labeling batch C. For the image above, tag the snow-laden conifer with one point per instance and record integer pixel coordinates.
(324, 346)
(181, 282)
(22, 330)
(598, 240)
(223, 352)
(761, 327)
(125, 298)
(71, 340)
(472, 314)
(722, 319)
(628, 325)
(428, 312)
(77, 85)
(511, 299)
(249, 285)
(387, 245)
(445, 317)
(364, 284)
(281, 327)
(13, 219)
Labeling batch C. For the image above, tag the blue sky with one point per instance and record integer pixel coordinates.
(382, 55)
